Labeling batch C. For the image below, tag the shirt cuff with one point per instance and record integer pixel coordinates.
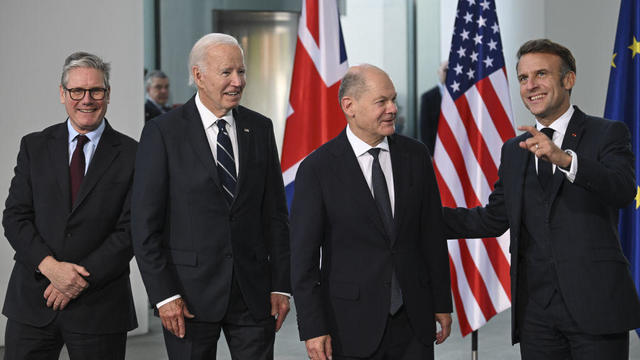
(281, 293)
(573, 168)
(168, 300)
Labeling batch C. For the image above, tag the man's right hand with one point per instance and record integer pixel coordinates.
(172, 315)
(319, 348)
(68, 278)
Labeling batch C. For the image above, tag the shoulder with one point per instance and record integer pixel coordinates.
(45, 134)
(253, 118)
(332, 148)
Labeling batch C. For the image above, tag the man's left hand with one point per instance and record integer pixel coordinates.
(444, 319)
(279, 308)
(55, 299)
(544, 148)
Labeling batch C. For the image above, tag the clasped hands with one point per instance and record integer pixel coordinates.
(544, 148)
(67, 281)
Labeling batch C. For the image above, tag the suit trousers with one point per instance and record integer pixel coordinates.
(398, 342)
(550, 333)
(246, 337)
(26, 342)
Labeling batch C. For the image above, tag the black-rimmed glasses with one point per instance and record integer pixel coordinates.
(95, 93)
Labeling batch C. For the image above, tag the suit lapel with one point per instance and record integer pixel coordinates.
(197, 138)
(108, 149)
(402, 176)
(59, 152)
(521, 159)
(245, 147)
(348, 171)
(570, 141)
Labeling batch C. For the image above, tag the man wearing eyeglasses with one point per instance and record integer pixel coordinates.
(157, 86)
(67, 218)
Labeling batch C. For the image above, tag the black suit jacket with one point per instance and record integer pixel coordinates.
(187, 239)
(430, 103)
(593, 274)
(151, 111)
(347, 295)
(39, 221)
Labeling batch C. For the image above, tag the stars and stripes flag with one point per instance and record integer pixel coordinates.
(475, 120)
(314, 115)
(623, 104)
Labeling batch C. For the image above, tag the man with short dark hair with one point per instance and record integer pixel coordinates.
(157, 88)
(210, 224)
(369, 265)
(67, 218)
(560, 187)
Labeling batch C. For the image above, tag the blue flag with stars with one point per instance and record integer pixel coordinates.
(623, 104)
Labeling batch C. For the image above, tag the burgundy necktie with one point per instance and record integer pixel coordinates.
(76, 168)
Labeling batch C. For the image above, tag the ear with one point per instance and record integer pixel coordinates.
(348, 106)
(108, 95)
(569, 80)
(61, 95)
(197, 75)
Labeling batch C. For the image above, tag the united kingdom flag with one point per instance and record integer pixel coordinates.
(314, 115)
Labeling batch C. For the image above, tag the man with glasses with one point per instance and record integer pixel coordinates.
(157, 87)
(67, 218)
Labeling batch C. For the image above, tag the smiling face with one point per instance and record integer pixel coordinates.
(372, 113)
(221, 78)
(159, 90)
(85, 114)
(544, 89)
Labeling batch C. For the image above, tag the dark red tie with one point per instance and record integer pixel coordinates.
(76, 168)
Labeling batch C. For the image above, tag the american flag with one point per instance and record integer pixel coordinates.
(475, 120)
(320, 63)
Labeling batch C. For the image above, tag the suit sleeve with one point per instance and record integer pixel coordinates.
(19, 215)
(149, 206)
(435, 246)
(275, 220)
(111, 259)
(488, 221)
(611, 175)
(307, 232)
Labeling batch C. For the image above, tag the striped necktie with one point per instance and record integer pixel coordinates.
(226, 162)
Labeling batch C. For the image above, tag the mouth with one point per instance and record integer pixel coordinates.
(536, 97)
(232, 93)
(86, 111)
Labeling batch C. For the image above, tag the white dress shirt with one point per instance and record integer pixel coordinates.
(560, 128)
(90, 147)
(361, 149)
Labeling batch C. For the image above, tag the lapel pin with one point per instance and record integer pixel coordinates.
(574, 134)
(247, 130)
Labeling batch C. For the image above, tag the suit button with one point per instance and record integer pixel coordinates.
(387, 284)
(231, 218)
(228, 255)
(68, 235)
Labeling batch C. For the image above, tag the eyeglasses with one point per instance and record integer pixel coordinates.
(95, 93)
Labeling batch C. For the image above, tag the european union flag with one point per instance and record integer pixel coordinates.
(623, 104)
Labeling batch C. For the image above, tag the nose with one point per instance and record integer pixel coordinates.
(392, 108)
(237, 79)
(531, 83)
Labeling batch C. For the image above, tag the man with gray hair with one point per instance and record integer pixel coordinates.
(67, 218)
(157, 88)
(210, 225)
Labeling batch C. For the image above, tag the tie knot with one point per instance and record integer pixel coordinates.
(548, 131)
(81, 140)
(374, 152)
(222, 125)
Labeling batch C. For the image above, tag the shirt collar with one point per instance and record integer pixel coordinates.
(94, 135)
(560, 124)
(209, 118)
(360, 147)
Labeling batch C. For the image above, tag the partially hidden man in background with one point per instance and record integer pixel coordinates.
(210, 224)
(370, 271)
(157, 97)
(67, 218)
(560, 187)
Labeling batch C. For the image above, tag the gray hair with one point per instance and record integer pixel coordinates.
(155, 74)
(354, 82)
(83, 59)
(199, 50)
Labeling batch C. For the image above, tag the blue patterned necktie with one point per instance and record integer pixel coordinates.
(226, 162)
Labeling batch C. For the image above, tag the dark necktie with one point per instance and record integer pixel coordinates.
(226, 162)
(545, 173)
(383, 203)
(77, 166)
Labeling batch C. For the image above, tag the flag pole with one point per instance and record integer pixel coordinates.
(474, 345)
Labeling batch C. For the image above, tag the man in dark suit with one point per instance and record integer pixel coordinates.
(67, 218)
(157, 87)
(370, 272)
(430, 103)
(212, 241)
(560, 187)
